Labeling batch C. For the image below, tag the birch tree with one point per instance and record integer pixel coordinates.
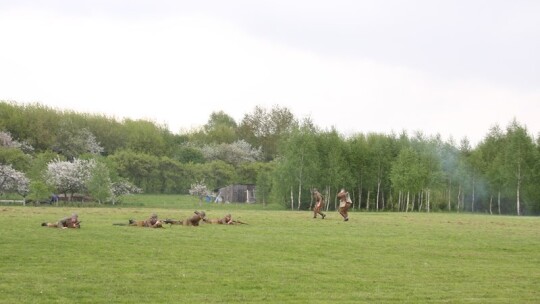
(264, 186)
(334, 172)
(492, 148)
(449, 155)
(406, 174)
(381, 153)
(519, 154)
(359, 162)
(300, 157)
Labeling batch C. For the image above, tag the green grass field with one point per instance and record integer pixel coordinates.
(279, 257)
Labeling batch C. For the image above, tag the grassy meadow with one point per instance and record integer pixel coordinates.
(279, 257)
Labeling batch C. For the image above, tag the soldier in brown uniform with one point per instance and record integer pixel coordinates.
(153, 221)
(344, 204)
(191, 221)
(67, 222)
(319, 204)
(226, 220)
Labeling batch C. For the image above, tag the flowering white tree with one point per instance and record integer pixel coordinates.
(236, 153)
(87, 176)
(7, 141)
(199, 189)
(211, 152)
(91, 143)
(12, 180)
(69, 177)
(72, 142)
(246, 152)
(123, 187)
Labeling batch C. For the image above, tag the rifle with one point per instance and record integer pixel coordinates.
(172, 222)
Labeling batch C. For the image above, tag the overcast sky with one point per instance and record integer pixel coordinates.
(454, 68)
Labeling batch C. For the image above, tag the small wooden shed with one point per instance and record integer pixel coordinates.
(237, 194)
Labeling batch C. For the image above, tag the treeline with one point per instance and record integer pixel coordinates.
(287, 157)
(222, 152)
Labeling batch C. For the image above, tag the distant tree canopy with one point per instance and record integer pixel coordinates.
(265, 129)
(286, 157)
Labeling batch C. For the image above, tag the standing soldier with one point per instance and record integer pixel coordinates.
(344, 204)
(319, 204)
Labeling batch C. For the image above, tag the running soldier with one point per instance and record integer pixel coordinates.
(319, 204)
(344, 204)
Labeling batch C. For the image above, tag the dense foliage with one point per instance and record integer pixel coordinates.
(285, 157)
